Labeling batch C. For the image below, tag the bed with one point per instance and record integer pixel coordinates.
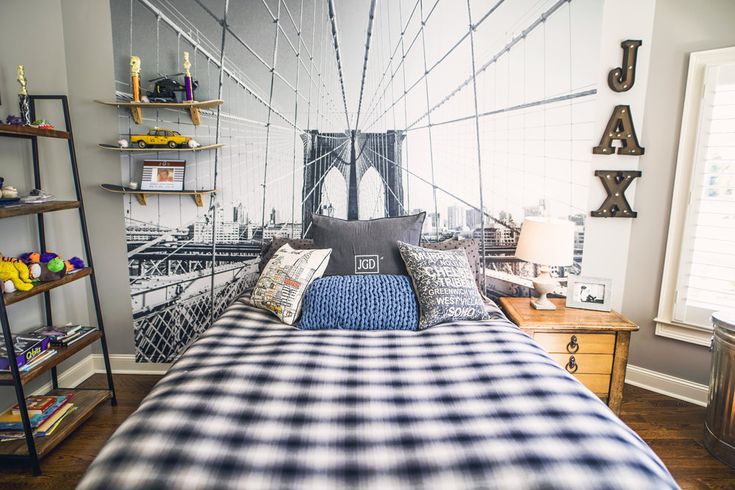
(257, 404)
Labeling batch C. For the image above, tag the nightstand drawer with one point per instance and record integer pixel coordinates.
(576, 343)
(585, 363)
(599, 384)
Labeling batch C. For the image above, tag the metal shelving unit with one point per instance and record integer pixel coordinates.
(31, 449)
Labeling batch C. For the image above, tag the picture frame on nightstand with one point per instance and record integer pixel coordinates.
(589, 293)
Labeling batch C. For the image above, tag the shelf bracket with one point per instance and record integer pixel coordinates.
(198, 200)
(142, 198)
(195, 115)
(137, 114)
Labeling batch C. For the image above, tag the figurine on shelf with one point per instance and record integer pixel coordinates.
(123, 143)
(8, 192)
(42, 124)
(188, 84)
(74, 264)
(44, 267)
(14, 275)
(135, 77)
(14, 120)
(194, 143)
(23, 100)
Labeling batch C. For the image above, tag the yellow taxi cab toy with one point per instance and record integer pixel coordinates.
(160, 137)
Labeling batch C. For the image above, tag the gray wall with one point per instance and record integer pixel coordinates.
(74, 57)
(680, 27)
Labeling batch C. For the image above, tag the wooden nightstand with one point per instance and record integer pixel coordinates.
(592, 345)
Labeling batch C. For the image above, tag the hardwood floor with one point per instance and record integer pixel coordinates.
(671, 427)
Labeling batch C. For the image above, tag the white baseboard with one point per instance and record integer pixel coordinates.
(125, 364)
(94, 364)
(678, 388)
(73, 376)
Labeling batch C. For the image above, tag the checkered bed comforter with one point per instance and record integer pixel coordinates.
(258, 404)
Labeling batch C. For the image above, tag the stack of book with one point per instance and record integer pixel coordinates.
(64, 336)
(28, 348)
(45, 412)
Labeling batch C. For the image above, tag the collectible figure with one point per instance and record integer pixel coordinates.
(25, 108)
(187, 77)
(135, 77)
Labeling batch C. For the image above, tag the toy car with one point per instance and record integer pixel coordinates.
(160, 137)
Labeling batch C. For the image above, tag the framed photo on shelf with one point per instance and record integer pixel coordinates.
(163, 175)
(589, 293)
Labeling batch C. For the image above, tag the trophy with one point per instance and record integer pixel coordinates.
(135, 77)
(24, 101)
(135, 111)
(188, 85)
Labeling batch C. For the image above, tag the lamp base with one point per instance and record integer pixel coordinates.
(544, 284)
(542, 303)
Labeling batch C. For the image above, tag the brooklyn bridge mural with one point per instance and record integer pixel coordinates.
(356, 109)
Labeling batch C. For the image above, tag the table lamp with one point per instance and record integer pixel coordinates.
(546, 242)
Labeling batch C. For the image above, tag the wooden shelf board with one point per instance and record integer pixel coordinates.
(203, 104)
(142, 195)
(22, 209)
(15, 130)
(18, 296)
(86, 402)
(6, 378)
(155, 149)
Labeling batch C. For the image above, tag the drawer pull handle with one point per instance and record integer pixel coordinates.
(572, 365)
(573, 346)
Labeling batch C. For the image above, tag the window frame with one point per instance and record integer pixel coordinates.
(666, 325)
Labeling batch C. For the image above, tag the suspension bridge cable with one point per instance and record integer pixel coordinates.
(444, 56)
(296, 115)
(371, 18)
(471, 32)
(506, 49)
(335, 38)
(268, 127)
(431, 145)
(220, 64)
(403, 60)
(213, 196)
(513, 108)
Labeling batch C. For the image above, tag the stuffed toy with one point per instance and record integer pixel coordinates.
(49, 266)
(14, 275)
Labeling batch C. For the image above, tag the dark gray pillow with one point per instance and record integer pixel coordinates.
(444, 284)
(366, 247)
(270, 248)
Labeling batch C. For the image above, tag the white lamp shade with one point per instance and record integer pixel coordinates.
(546, 241)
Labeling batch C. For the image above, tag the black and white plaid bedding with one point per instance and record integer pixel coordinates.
(257, 404)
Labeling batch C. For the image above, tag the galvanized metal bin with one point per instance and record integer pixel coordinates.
(719, 425)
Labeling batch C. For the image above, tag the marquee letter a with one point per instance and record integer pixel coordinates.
(619, 127)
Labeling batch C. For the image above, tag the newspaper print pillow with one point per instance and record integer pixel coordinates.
(444, 284)
(282, 284)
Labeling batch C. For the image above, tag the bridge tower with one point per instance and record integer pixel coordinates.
(362, 151)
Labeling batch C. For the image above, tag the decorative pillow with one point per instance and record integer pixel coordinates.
(271, 247)
(471, 248)
(281, 286)
(366, 247)
(444, 285)
(360, 302)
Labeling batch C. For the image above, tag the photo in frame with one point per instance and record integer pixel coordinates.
(589, 293)
(163, 175)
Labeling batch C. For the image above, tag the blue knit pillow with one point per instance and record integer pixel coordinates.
(360, 302)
